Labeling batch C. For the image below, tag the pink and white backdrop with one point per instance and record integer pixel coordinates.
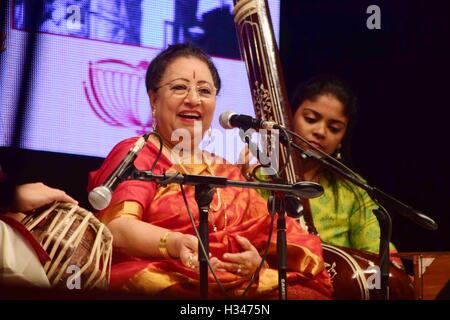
(87, 95)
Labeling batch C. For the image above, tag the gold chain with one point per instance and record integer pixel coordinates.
(219, 196)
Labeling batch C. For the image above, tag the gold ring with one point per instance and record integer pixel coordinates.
(239, 269)
(190, 263)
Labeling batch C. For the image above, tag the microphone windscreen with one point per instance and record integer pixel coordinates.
(100, 197)
(308, 189)
(224, 119)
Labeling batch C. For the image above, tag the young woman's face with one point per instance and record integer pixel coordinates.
(322, 122)
(186, 96)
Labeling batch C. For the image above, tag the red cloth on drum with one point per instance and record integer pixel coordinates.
(16, 225)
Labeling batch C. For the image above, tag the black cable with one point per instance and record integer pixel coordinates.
(275, 176)
(288, 147)
(158, 136)
(255, 176)
(191, 218)
(389, 229)
(266, 249)
(323, 154)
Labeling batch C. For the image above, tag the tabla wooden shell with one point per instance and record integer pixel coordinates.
(79, 246)
(350, 271)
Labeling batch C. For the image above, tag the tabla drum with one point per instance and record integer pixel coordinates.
(79, 246)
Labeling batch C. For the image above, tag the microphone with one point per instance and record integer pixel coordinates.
(100, 197)
(230, 120)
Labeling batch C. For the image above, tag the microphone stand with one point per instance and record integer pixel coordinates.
(383, 217)
(279, 200)
(203, 197)
(277, 204)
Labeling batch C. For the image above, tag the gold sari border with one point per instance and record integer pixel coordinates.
(129, 209)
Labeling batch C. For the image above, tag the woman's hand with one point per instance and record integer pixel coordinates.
(184, 246)
(243, 263)
(31, 196)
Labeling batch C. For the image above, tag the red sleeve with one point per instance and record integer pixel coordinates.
(132, 190)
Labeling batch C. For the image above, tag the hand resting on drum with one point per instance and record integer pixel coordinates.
(19, 261)
(31, 196)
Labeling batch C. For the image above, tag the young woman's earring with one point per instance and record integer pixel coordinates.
(338, 154)
(154, 120)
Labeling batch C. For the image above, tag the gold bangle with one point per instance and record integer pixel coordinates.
(163, 245)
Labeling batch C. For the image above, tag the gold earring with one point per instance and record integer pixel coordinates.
(338, 154)
(154, 119)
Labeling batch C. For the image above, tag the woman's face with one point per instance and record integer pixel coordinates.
(322, 122)
(178, 108)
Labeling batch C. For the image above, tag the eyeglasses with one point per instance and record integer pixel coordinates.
(181, 89)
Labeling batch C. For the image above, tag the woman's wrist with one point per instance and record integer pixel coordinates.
(162, 246)
(173, 244)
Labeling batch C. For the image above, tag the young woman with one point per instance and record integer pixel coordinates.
(325, 115)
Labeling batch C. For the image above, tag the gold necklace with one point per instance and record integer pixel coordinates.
(219, 201)
(219, 196)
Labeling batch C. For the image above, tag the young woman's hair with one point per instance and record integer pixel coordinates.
(331, 85)
(159, 64)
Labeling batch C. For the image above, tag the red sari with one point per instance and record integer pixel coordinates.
(239, 212)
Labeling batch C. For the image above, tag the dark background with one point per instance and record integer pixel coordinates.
(400, 74)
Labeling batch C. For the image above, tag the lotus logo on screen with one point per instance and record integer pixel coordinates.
(116, 94)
